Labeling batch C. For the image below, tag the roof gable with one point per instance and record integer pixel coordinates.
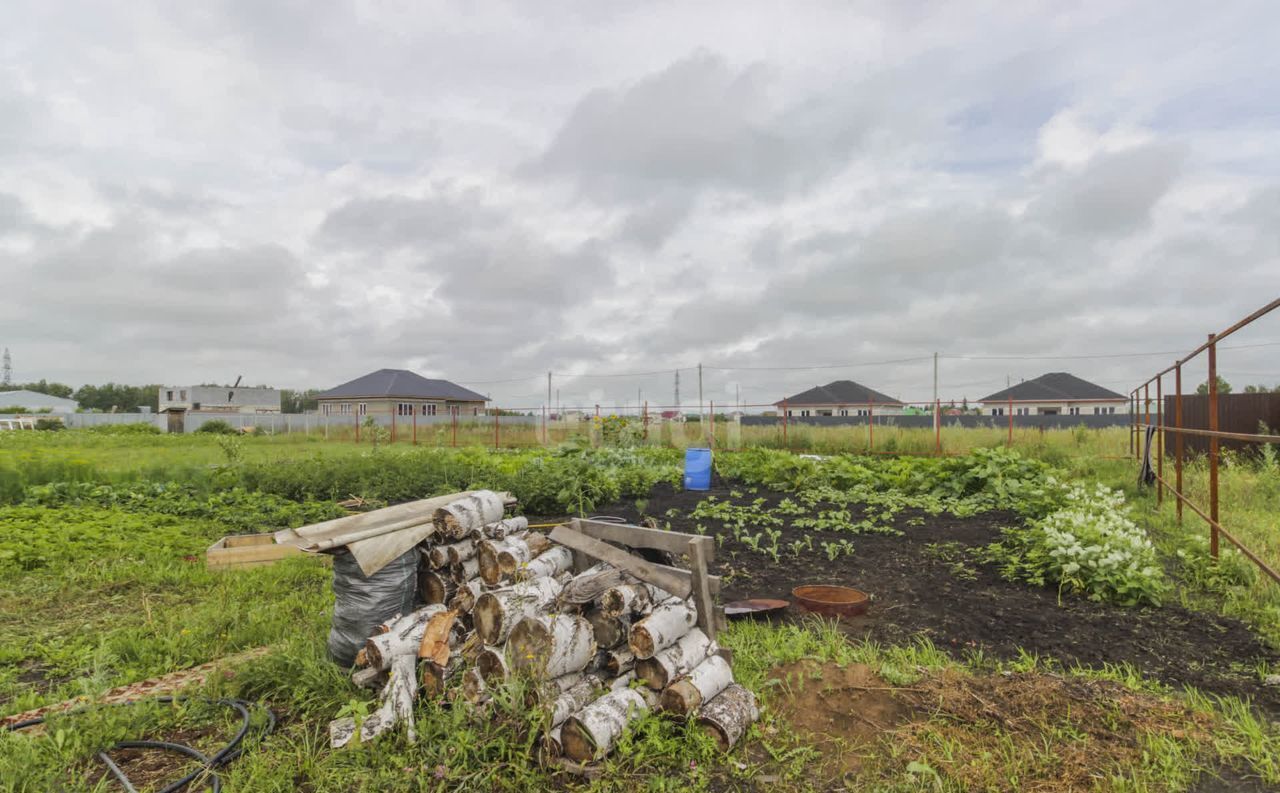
(401, 383)
(1054, 386)
(840, 392)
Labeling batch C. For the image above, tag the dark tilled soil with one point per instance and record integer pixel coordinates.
(961, 604)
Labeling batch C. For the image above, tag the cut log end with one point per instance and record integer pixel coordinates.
(576, 743)
(641, 643)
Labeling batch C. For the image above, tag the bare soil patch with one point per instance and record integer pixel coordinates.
(925, 583)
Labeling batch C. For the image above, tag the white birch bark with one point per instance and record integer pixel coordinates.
(701, 685)
(662, 628)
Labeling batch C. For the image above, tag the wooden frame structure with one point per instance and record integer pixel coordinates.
(590, 539)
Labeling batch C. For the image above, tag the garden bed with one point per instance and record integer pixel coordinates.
(927, 582)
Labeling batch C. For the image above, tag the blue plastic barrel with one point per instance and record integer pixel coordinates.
(697, 469)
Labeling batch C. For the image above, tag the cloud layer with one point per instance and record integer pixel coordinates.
(485, 194)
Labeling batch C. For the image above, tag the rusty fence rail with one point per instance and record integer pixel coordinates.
(1140, 400)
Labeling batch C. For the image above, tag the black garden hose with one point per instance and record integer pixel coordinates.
(208, 764)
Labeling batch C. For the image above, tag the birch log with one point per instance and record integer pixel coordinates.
(396, 706)
(592, 732)
(434, 676)
(662, 628)
(591, 583)
(551, 646)
(662, 669)
(492, 664)
(620, 661)
(551, 563)
(438, 557)
(519, 551)
(576, 698)
(459, 552)
(464, 600)
(609, 631)
(461, 573)
(487, 557)
(689, 693)
(497, 612)
(500, 529)
(631, 597)
(474, 688)
(728, 716)
(435, 588)
(469, 513)
(550, 744)
(404, 637)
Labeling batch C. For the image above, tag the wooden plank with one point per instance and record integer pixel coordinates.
(639, 536)
(672, 579)
(702, 600)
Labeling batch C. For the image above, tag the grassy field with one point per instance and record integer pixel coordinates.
(102, 583)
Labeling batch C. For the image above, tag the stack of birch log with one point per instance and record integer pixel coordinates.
(600, 647)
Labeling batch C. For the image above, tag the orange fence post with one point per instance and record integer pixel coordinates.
(454, 413)
(1159, 441)
(1177, 441)
(711, 429)
(1213, 445)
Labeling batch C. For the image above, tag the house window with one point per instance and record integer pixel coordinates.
(168, 396)
(182, 395)
(844, 412)
(404, 409)
(325, 408)
(475, 411)
(345, 408)
(428, 409)
(804, 413)
(997, 411)
(1073, 411)
(1111, 410)
(362, 408)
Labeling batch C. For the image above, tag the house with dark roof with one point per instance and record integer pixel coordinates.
(840, 398)
(1056, 393)
(399, 392)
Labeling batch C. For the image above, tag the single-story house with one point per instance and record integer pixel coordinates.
(841, 398)
(34, 401)
(218, 399)
(399, 392)
(1056, 393)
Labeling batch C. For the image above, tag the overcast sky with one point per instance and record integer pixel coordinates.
(303, 192)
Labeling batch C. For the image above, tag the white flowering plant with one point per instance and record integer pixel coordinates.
(1088, 546)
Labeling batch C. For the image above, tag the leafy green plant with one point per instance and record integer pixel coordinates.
(217, 427)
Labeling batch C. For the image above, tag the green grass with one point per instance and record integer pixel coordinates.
(96, 595)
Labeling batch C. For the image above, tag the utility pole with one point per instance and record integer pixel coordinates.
(935, 378)
(677, 390)
(639, 391)
(6, 371)
(548, 391)
(737, 387)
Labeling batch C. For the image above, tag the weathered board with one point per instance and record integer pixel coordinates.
(249, 550)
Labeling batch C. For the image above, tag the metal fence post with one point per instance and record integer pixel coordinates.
(357, 418)
(644, 420)
(495, 428)
(1177, 441)
(415, 424)
(1213, 445)
(1010, 441)
(1159, 441)
(393, 422)
(454, 414)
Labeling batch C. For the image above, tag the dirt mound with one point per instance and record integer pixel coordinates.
(844, 710)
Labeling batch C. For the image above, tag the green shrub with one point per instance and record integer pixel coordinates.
(217, 427)
(53, 425)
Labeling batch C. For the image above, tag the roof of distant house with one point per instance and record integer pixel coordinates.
(35, 399)
(1054, 387)
(401, 383)
(840, 392)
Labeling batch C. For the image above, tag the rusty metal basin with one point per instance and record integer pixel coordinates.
(831, 600)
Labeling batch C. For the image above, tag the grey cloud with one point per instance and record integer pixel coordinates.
(395, 222)
(1113, 194)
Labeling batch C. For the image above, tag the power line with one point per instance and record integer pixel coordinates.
(823, 366)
